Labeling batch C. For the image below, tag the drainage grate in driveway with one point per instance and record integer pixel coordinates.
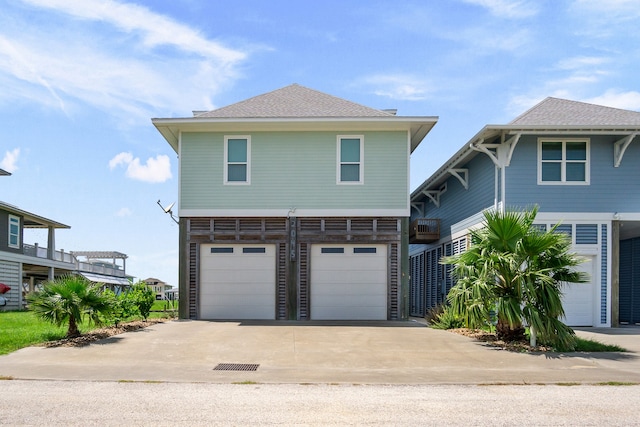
(236, 367)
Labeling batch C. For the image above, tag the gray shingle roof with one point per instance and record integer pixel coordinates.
(294, 101)
(562, 112)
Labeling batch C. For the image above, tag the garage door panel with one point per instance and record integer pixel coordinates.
(355, 289)
(362, 301)
(355, 263)
(235, 290)
(578, 299)
(239, 312)
(351, 285)
(358, 313)
(237, 281)
(366, 276)
(239, 277)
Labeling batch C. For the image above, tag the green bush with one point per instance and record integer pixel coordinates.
(142, 297)
(122, 307)
(447, 319)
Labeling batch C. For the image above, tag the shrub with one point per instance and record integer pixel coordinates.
(142, 297)
(447, 319)
(122, 307)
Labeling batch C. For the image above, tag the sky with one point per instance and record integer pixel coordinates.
(80, 81)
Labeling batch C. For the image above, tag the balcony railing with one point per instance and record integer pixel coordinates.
(37, 251)
(424, 230)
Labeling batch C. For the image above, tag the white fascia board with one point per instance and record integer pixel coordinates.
(585, 217)
(419, 126)
(279, 213)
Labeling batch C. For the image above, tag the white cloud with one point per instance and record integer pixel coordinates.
(122, 212)
(398, 86)
(155, 170)
(507, 8)
(614, 98)
(581, 62)
(117, 57)
(9, 160)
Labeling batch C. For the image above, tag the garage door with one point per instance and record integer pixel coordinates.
(348, 282)
(237, 281)
(578, 299)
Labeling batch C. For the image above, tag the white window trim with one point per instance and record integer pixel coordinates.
(563, 181)
(17, 219)
(226, 160)
(339, 163)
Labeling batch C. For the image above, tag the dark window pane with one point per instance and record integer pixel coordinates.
(576, 172)
(350, 150)
(221, 250)
(350, 173)
(551, 171)
(237, 150)
(237, 173)
(552, 151)
(576, 150)
(332, 250)
(254, 250)
(364, 250)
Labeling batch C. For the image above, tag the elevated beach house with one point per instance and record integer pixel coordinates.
(293, 205)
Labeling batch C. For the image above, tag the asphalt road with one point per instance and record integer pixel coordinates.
(85, 403)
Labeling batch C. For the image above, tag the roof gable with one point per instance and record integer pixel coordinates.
(562, 112)
(294, 101)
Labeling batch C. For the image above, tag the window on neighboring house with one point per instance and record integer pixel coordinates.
(237, 159)
(563, 161)
(350, 159)
(14, 231)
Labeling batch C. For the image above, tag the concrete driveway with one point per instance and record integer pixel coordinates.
(304, 352)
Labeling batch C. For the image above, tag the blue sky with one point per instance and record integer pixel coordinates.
(81, 80)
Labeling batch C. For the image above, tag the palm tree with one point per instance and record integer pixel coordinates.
(69, 299)
(517, 270)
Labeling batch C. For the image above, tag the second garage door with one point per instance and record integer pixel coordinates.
(578, 298)
(237, 281)
(348, 282)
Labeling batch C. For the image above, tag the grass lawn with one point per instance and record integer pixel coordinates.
(20, 329)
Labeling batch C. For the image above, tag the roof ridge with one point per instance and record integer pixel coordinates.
(294, 100)
(559, 111)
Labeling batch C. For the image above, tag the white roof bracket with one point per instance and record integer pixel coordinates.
(462, 175)
(434, 196)
(511, 145)
(479, 146)
(620, 146)
(419, 207)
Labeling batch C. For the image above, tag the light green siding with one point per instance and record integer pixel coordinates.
(294, 169)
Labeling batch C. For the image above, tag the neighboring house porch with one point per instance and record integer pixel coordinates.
(24, 266)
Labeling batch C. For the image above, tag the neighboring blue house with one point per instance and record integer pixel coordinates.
(294, 204)
(579, 163)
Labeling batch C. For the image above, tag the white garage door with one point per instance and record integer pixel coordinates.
(348, 282)
(578, 298)
(237, 281)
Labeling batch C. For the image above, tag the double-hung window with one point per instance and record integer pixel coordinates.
(237, 159)
(350, 159)
(563, 161)
(14, 231)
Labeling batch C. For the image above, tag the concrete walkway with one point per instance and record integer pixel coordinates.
(303, 352)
